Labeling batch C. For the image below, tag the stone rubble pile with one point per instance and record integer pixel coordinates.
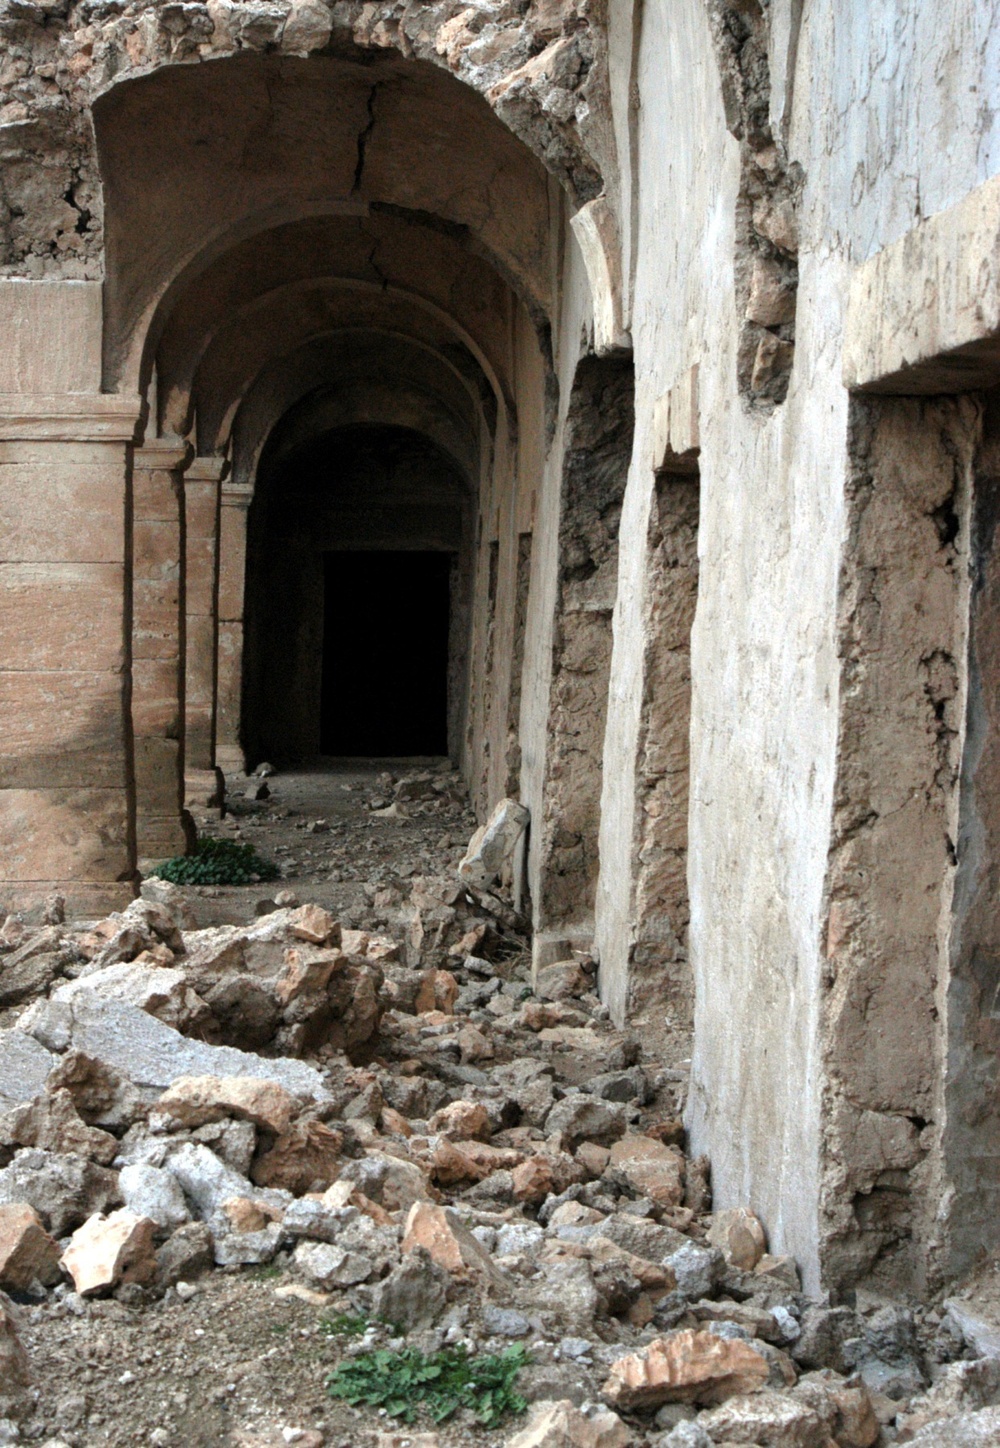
(411, 1131)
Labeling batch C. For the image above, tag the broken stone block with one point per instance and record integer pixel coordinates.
(160, 991)
(20, 980)
(438, 992)
(685, 1367)
(544, 1175)
(561, 1425)
(414, 1294)
(248, 1249)
(151, 1192)
(27, 1252)
(651, 1168)
(24, 1065)
(474, 1045)
(766, 1417)
(580, 1117)
(562, 980)
(314, 925)
(64, 1190)
(152, 1054)
(353, 994)
(388, 1180)
(451, 1245)
(306, 973)
(331, 1266)
(109, 1250)
(968, 1430)
(845, 1406)
(195, 1100)
(185, 1255)
(314, 1220)
(205, 1180)
(461, 1121)
(740, 1236)
(493, 844)
(234, 1142)
(100, 1094)
(306, 1158)
(53, 1123)
(470, 1161)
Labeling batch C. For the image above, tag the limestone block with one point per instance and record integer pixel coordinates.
(109, 1250)
(692, 1367)
(393, 1183)
(650, 1167)
(82, 605)
(740, 1235)
(27, 1252)
(52, 1122)
(451, 1245)
(151, 1192)
(305, 1158)
(24, 1065)
(493, 843)
(159, 990)
(62, 501)
(152, 1054)
(195, 1100)
(561, 1425)
(769, 1418)
(52, 336)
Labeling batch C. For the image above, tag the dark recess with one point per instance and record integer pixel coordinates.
(385, 654)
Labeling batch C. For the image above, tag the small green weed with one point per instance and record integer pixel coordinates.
(217, 862)
(267, 1272)
(443, 1382)
(343, 1324)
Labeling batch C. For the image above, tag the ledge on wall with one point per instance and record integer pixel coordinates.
(596, 232)
(924, 314)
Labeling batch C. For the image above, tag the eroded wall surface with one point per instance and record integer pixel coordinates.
(684, 192)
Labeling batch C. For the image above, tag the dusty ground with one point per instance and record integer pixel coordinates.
(241, 1356)
(241, 1362)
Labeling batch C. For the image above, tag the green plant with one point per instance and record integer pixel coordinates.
(443, 1382)
(217, 862)
(343, 1324)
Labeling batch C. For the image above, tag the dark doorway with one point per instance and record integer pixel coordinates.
(385, 654)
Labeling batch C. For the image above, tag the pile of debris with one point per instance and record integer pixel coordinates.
(408, 1131)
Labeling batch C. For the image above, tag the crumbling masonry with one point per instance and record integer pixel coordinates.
(676, 326)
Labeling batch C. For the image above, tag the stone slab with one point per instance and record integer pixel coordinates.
(24, 1065)
(154, 1055)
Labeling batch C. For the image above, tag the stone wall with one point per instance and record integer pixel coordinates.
(666, 214)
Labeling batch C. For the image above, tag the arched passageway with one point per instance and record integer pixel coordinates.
(358, 561)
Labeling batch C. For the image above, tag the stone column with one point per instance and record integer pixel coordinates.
(232, 576)
(66, 783)
(158, 647)
(201, 497)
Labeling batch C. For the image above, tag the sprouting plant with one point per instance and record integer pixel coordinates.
(443, 1382)
(217, 862)
(343, 1324)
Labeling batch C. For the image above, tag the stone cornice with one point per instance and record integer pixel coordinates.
(237, 495)
(206, 470)
(163, 453)
(68, 417)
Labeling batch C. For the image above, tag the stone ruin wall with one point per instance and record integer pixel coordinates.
(735, 209)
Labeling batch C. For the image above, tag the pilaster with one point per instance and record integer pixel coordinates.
(158, 647)
(66, 776)
(202, 482)
(235, 503)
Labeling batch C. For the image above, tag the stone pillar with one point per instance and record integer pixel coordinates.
(201, 498)
(158, 647)
(232, 576)
(66, 783)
